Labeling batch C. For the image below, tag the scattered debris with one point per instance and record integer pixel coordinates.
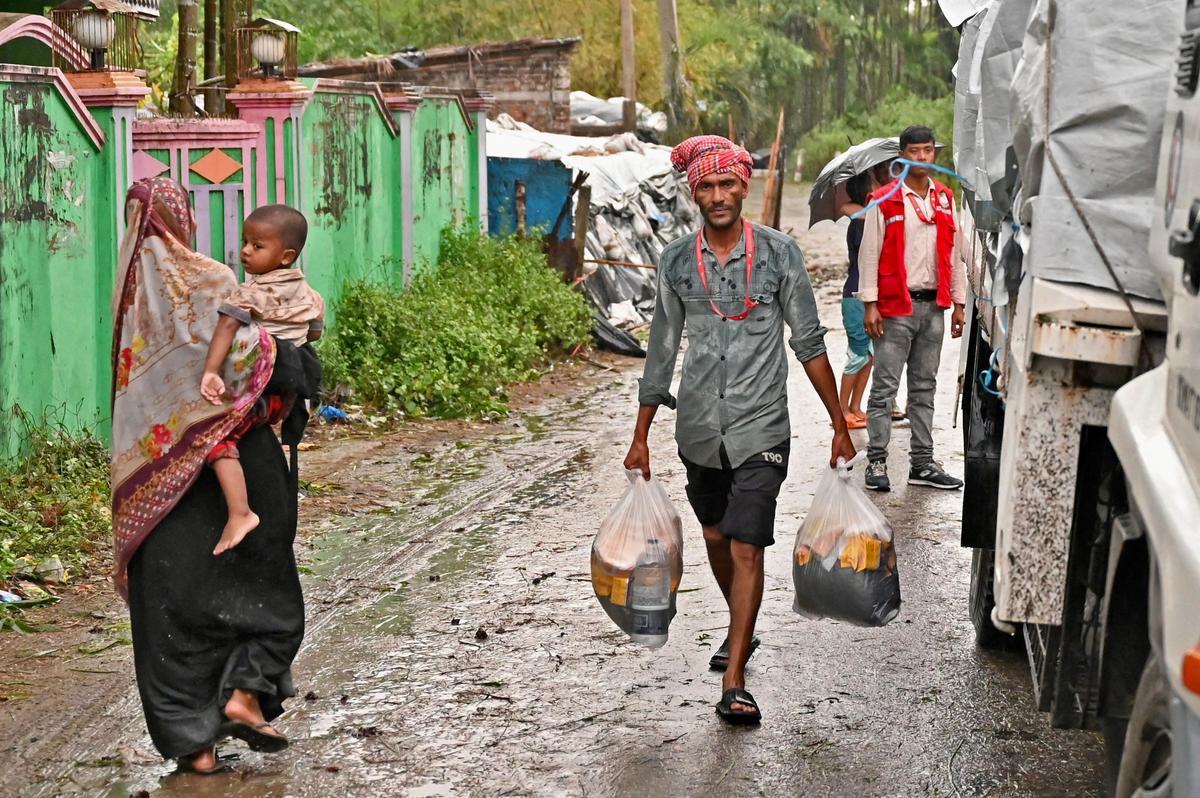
(333, 414)
(481, 634)
(51, 570)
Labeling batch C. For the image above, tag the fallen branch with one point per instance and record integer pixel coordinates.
(627, 263)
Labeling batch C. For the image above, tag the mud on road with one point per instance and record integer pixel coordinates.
(454, 646)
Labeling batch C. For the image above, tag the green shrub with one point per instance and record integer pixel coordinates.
(898, 110)
(54, 500)
(449, 344)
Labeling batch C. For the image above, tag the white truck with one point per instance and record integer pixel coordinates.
(1081, 372)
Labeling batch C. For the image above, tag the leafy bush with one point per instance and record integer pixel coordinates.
(54, 499)
(449, 344)
(897, 111)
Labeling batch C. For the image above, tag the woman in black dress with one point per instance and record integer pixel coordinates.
(213, 637)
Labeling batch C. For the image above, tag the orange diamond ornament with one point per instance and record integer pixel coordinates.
(216, 167)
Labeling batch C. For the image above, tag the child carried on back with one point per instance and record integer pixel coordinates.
(279, 298)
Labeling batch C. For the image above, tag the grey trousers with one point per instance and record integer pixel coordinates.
(916, 342)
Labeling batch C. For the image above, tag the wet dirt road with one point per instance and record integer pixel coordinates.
(454, 646)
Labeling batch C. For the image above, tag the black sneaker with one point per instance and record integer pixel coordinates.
(877, 478)
(932, 475)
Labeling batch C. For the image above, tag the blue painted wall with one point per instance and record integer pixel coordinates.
(547, 184)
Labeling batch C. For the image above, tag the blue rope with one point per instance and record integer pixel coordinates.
(900, 176)
(987, 377)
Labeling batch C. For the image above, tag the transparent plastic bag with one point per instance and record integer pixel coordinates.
(844, 563)
(637, 561)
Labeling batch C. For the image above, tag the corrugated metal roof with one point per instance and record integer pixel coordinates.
(147, 9)
(382, 66)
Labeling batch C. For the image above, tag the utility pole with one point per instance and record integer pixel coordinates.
(628, 68)
(234, 14)
(673, 81)
(185, 59)
(212, 53)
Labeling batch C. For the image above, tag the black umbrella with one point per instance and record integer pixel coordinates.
(827, 192)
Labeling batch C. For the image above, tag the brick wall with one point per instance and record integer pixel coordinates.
(531, 86)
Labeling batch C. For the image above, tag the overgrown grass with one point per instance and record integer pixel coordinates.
(54, 500)
(449, 344)
(897, 111)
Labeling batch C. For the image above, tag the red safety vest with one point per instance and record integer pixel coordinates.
(894, 299)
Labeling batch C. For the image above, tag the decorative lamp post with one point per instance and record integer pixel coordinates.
(105, 29)
(268, 48)
(268, 95)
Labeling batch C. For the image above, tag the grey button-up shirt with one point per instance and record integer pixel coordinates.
(734, 385)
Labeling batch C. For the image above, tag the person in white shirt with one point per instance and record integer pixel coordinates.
(910, 274)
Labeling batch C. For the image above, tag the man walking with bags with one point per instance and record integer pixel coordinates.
(910, 273)
(733, 284)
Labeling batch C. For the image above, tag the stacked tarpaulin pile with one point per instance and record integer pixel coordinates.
(588, 111)
(639, 204)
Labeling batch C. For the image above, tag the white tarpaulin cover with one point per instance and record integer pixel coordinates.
(999, 50)
(1111, 72)
(959, 11)
(587, 109)
(966, 97)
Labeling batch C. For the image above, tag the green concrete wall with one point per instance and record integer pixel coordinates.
(59, 225)
(58, 248)
(350, 170)
(445, 176)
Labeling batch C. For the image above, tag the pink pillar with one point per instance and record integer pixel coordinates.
(112, 97)
(272, 105)
(479, 104)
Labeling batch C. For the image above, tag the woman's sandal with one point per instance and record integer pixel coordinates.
(252, 734)
(720, 660)
(738, 695)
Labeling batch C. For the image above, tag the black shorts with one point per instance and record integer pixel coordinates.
(739, 501)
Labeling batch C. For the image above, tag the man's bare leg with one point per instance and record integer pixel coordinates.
(242, 521)
(738, 568)
(719, 559)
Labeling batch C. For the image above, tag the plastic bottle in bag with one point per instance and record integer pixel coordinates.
(650, 597)
(637, 561)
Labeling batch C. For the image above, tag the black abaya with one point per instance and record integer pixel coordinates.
(205, 625)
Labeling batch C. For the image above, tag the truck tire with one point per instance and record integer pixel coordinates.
(1145, 770)
(982, 600)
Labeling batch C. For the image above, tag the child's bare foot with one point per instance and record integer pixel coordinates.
(236, 528)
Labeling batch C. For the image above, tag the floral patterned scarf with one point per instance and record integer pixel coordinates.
(164, 315)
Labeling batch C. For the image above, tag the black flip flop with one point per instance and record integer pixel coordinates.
(252, 734)
(720, 660)
(738, 695)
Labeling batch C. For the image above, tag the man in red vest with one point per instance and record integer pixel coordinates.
(910, 274)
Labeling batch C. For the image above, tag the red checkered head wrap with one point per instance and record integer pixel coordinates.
(701, 156)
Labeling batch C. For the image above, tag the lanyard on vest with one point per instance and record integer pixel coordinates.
(933, 200)
(751, 304)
